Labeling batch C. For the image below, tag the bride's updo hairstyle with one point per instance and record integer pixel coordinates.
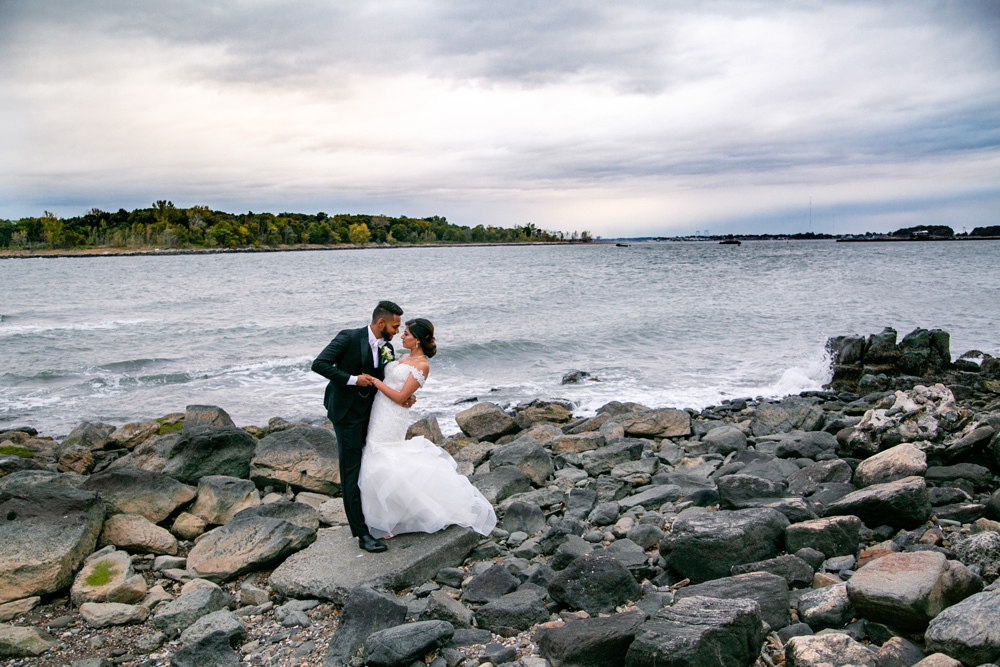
(423, 331)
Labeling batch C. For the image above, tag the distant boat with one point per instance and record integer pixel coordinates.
(622, 245)
(730, 240)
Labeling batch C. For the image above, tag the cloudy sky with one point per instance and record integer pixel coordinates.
(622, 118)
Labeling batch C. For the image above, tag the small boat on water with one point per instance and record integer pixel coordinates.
(623, 245)
(730, 240)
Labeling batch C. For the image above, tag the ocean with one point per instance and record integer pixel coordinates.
(682, 324)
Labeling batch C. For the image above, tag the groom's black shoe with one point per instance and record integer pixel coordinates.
(369, 543)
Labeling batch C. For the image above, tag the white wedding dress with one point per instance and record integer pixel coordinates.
(413, 486)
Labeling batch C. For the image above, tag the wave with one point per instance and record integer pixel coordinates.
(25, 329)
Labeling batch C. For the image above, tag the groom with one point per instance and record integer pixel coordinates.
(350, 356)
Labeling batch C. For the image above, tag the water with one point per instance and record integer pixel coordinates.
(665, 324)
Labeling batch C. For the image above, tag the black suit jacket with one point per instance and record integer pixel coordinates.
(348, 354)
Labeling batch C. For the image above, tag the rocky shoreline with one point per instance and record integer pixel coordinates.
(859, 525)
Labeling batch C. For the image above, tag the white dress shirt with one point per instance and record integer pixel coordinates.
(375, 343)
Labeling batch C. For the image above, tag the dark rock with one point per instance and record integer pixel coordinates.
(611, 488)
(961, 512)
(575, 376)
(698, 490)
(795, 509)
(173, 617)
(501, 483)
(218, 622)
(794, 630)
(212, 650)
(707, 546)
(92, 435)
(304, 458)
(299, 514)
(490, 585)
(769, 591)
(907, 590)
(469, 637)
(558, 533)
(46, 532)
(193, 453)
(402, 644)
(516, 612)
(443, 607)
(804, 445)
(827, 494)
(652, 496)
(833, 536)
(646, 535)
(811, 556)
(898, 652)
(725, 440)
(734, 490)
(526, 455)
(699, 632)
(580, 503)
(970, 443)
(794, 570)
(524, 517)
(601, 461)
(595, 584)
(807, 480)
(827, 607)
(133, 491)
(626, 552)
(606, 514)
(774, 469)
(901, 504)
(571, 549)
(366, 612)
(946, 495)
(968, 631)
(244, 545)
(590, 642)
(496, 654)
(981, 477)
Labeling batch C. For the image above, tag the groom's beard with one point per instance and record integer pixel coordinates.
(386, 336)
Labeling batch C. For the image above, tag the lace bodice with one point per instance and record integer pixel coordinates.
(389, 420)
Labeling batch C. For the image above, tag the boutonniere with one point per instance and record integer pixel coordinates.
(385, 353)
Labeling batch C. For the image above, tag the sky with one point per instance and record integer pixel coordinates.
(625, 118)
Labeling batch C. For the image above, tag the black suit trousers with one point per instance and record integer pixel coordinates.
(352, 433)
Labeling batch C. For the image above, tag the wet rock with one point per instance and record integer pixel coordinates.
(907, 590)
(46, 531)
(968, 631)
(427, 427)
(365, 613)
(402, 644)
(787, 415)
(212, 650)
(893, 464)
(769, 591)
(486, 421)
(799, 445)
(24, 642)
(128, 490)
(302, 457)
(512, 613)
(699, 632)
(490, 585)
(828, 650)
(706, 546)
(970, 443)
(527, 456)
(664, 423)
(590, 642)
(501, 483)
(595, 584)
(794, 570)
(331, 568)
(244, 545)
(832, 536)
(827, 607)
(135, 533)
(901, 504)
(222, 622)
(725, 440)
(176, 616)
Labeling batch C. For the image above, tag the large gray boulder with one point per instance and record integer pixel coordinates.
(218, 622)
(213, 649)
(174, 617)
(806, 481)
(595, 584)
(736, 490)
(192, 453)
(900, 504)
(699, 632)
(907, 590)
(652, 496)
(769, 591)
(137, 534)
(293, 512)
(501, 483)
(791, 568)
(787, 415)
(92, 435)
(601, 461)
(486, 421)
(246, 544)
(206, 415)
(303, 457)
(968, 631)
(827, 607)
(706, 546)
(402, 644)
(895, 463)
(24, 642)
(590, 642)
(366, 612)
(527, 456)
(128, 490)
(725, 440)
(512, 613)
(828, 650)
(46, 531)
(220, 498)
(664, 423)
(333, 566)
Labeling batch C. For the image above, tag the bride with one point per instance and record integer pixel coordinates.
(412, 486)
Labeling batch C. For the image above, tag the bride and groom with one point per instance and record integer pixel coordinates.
(391, 485)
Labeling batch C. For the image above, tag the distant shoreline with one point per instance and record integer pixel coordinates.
(919, 240)
(160, 252)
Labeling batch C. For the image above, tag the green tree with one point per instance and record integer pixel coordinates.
(53, 227)
(359, 234)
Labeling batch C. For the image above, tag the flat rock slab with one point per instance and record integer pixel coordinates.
(768, 590)
(128, 490)
(333, 565)
(23, 642)
(900, 504)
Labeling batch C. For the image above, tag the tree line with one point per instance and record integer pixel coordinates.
(164, 225)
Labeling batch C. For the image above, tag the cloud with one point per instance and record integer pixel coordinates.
(622, 118)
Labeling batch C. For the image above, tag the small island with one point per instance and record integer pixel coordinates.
(166, 229)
